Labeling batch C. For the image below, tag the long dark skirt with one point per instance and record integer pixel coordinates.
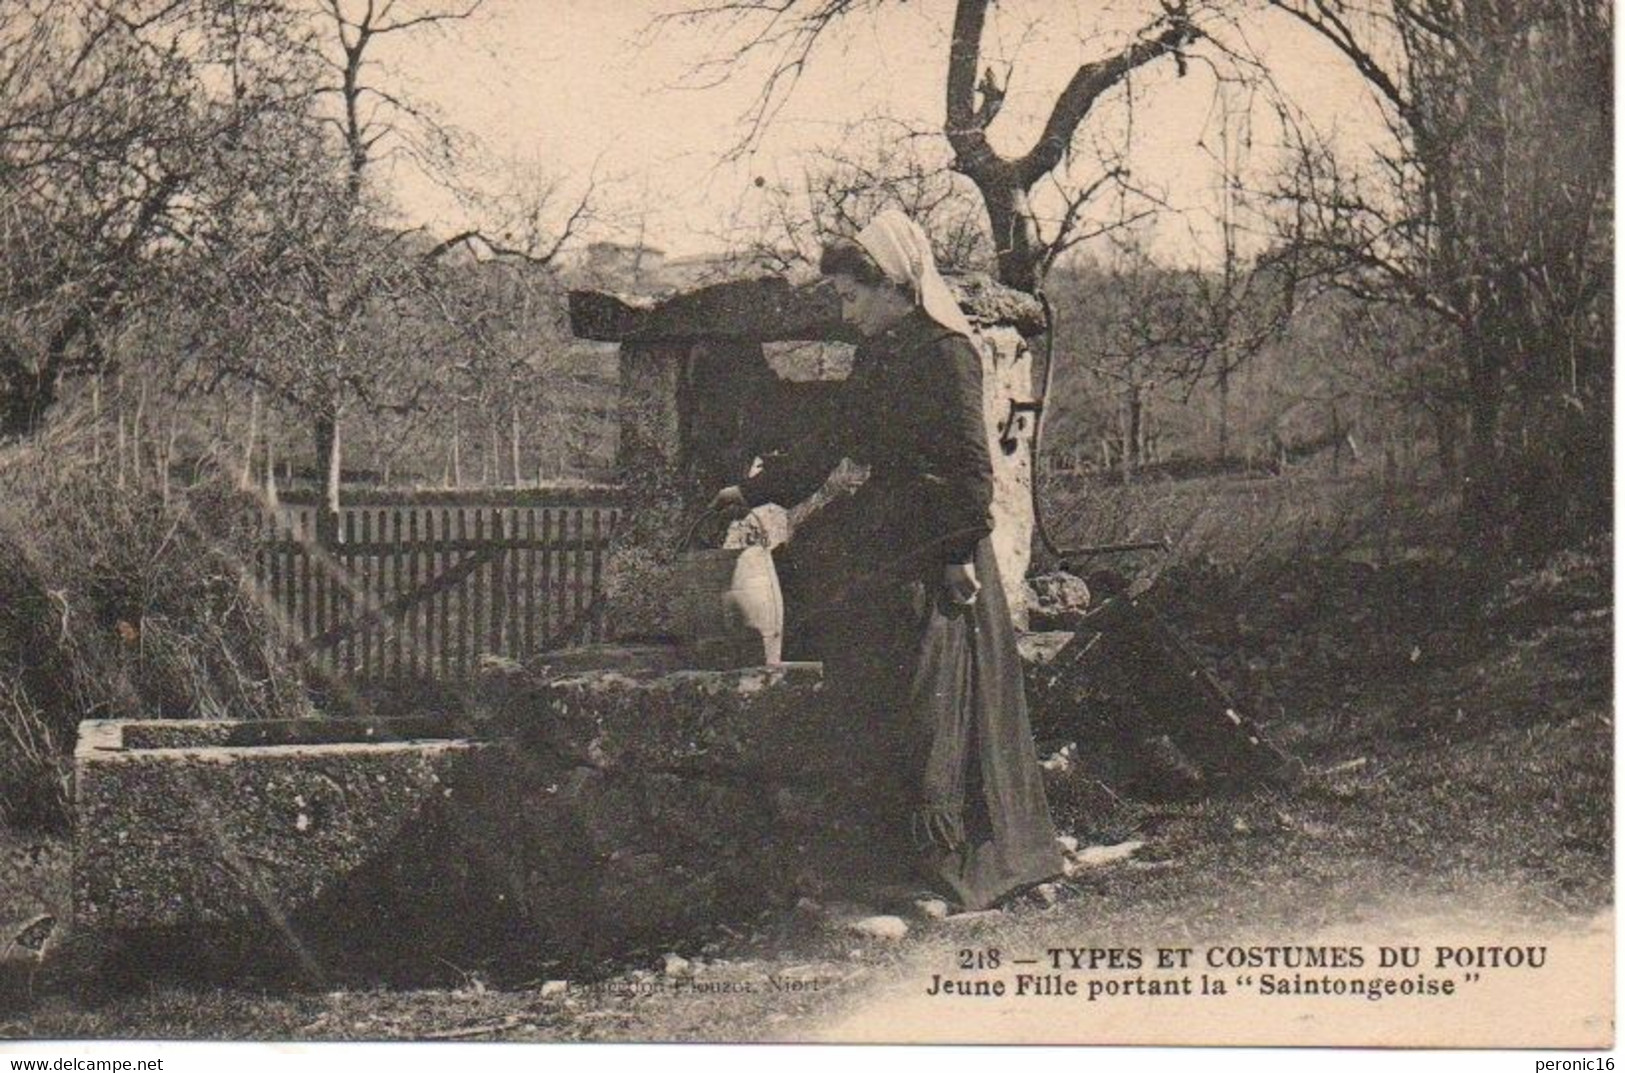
(941, 687)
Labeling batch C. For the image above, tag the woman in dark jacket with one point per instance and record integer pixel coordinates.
(916, 633)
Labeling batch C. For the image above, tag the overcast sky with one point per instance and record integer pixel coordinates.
(576, 87)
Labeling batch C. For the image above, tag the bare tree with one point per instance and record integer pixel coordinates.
(372, 122)
(372, 119)
(350, 311)
(874, 165)
(112, 119)
(1025, 245)
(1007, 183)
(1489, 211)
(1248, 301)
(1134, 325)
(521, 380)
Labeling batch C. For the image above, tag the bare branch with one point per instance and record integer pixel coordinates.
(1086, 86)
(435, 18)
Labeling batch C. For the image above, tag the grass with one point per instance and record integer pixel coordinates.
(1457, 727)
(119, 599)
(1242, 523)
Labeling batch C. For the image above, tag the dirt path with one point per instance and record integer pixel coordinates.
(879, 992)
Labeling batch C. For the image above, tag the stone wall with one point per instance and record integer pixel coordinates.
(636, 805)
(1007, 375)
(657, 499)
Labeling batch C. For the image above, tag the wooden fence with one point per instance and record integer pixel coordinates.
(417, 586)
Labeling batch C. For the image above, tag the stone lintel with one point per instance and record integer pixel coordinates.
(986, 302)
(770, 309)
(764, 310)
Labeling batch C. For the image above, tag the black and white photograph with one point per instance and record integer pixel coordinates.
(1070, 522)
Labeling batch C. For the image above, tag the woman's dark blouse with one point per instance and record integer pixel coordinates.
(941, 684)
(912, 411)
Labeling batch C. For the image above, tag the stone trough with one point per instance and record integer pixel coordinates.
(207, 821)
(584, 805)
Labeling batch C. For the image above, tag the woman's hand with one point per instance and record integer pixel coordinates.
(960, 581)
(730, 501)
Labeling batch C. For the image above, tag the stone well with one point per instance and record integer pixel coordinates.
(700, 400)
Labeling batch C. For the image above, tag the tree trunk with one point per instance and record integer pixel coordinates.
(1015, 237)
(456, 451)
(119, 440)
(1337, 444)
(271, 496)
(135, 431)
(1484, 417)
(96, 419)
(329, 463)
(513, 428)
(1004, 182)
(246, 479)
(1447, 442)
(166, 460)
(1134, 446)
(1143, 440)
(1482, 496)
(1128, 432)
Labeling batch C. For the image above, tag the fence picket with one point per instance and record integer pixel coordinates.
(595, 628)
(430, 570)
(528, 648)
(306, 606)
(499, 605)
(395, 590)
(513, 643)
(443, 598)
(561, 598)
(545, 589)
(346, 588)
(272, 596)
(462, 605)
(369, 601)
(579, 573)
(321, 568)
(414, 615)
(477, 618)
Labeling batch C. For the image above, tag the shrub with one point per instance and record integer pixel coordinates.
(120, 602)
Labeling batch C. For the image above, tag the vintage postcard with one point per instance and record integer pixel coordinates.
(789, 521)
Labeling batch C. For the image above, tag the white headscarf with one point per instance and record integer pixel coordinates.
(902, 251)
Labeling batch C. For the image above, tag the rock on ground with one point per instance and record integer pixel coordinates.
(879, 927)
